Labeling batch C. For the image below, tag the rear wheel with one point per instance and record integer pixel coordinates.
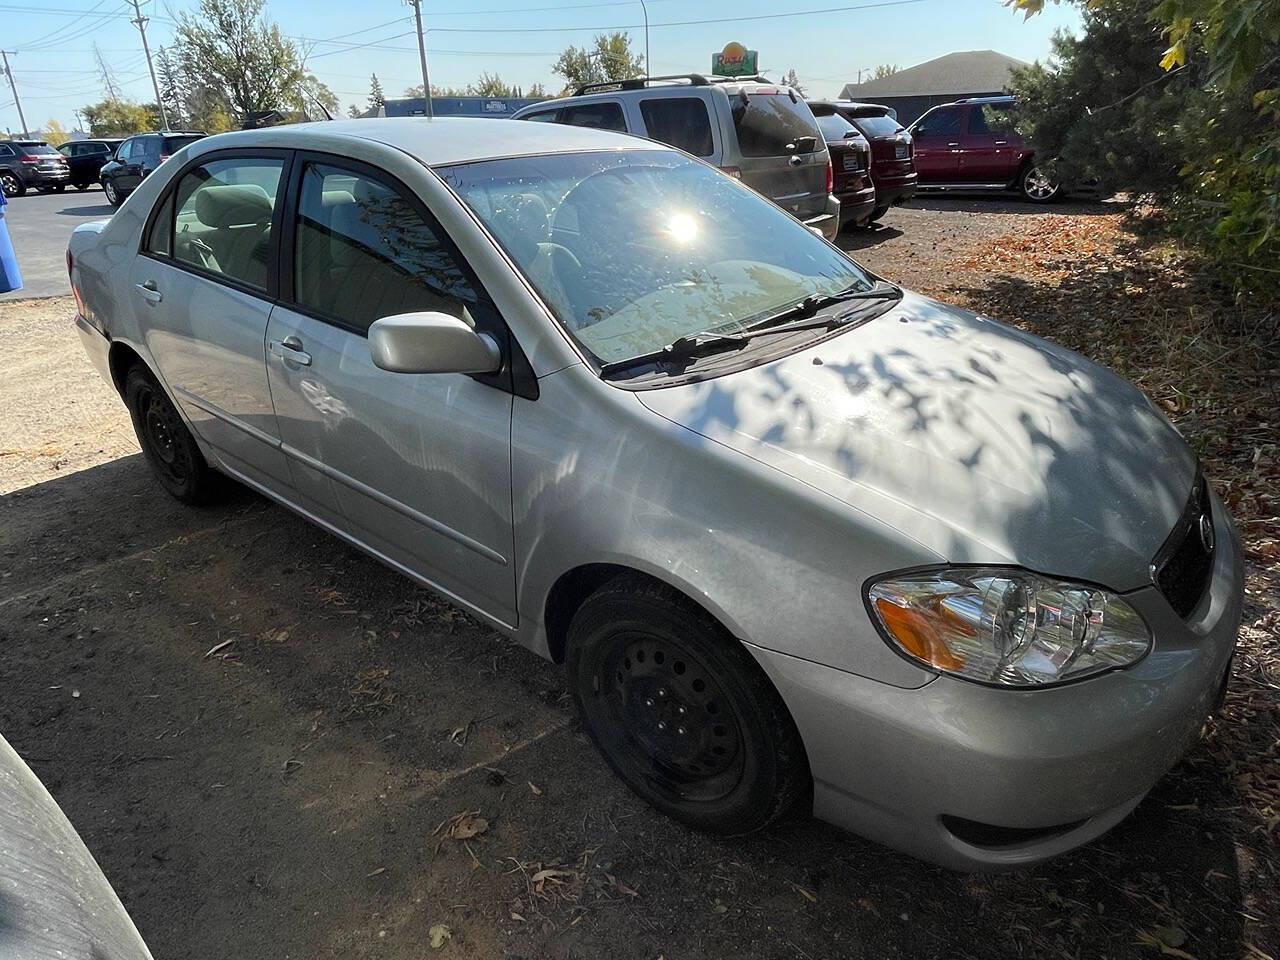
(113, 195)
(681, 711)
(169, 447)
(876, 214)
(1038, 186)
(12, 184)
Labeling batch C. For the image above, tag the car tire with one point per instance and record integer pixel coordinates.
(167, 443)
(113, 195)
(59, 187)
(876, 214)
(1038, 186)
(82, 187)
(681, 712)
(12, 184)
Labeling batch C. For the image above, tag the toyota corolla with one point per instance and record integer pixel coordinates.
(801, 537)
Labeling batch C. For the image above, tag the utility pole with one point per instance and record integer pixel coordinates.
(4, 55)
(648, 64)
(141, 23)
(422, 55)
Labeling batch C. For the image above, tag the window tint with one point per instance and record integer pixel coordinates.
(161, 240)
(69, 149)
(545, 116)
(940, 123)
(223, 221)
(173, 144)
(364, 253)
(680, 121)
(768, 125)
(602, 116)
(835, 127)
(992, 118)
(877, 126)
(5, 150)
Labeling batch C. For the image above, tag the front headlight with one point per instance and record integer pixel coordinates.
(1007, 627)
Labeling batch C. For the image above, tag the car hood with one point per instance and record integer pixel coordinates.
(982, 443)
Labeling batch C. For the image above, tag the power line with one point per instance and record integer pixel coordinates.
(677, 23)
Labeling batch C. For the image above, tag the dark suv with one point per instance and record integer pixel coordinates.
(892, 165)
(31, 163)
(974, 144)
(86, 157)
(138, 157)
(850, 162)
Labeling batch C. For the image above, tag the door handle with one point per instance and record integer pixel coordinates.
(795, 161)
(953, 144)
(290, 348)
(149, 292)
(1001, 143)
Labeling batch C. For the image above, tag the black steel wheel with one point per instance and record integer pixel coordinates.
(167, 443)
(680, 710)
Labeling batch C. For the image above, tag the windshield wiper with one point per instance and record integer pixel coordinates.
(688, 347)
(883, 290)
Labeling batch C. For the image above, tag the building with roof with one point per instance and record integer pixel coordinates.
(910, 92)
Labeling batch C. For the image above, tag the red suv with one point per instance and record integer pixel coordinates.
(974, 144)
(892, 168)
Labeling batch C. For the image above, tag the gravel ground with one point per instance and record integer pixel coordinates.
(263, 737)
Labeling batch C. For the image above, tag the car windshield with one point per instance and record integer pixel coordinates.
(633, 249)
(769, 125)
(878, 126)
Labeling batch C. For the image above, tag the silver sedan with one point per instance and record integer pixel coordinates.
(799, 535)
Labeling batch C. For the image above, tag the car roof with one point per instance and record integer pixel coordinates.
(849, 104)
(441, 140)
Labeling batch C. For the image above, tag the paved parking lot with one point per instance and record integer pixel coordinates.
(39, 224)
(263, 736)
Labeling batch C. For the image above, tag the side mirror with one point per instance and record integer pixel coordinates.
(431, 342)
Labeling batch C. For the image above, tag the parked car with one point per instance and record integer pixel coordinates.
(54, 899)
(31, 163)
(892, 166)
(756, 130)
(137, 158)
(85, 159)
(974, 145)
(851, 163)
(793, 530)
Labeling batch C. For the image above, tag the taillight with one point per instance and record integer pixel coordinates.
(831, 176)
(164, 157)
(75, 292)
(734, 172)
(27, 159)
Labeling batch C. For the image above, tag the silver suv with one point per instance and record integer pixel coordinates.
(761, 132)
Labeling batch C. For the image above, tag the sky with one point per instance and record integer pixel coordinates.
(825, 41)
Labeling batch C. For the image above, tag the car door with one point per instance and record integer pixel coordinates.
(129, 173)
(203, 287)
(937, 145)
(417, 467)
(986, 148)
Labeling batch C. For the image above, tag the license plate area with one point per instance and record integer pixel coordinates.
(850, 163)
(900, 151)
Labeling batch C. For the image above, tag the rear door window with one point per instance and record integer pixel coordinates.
(769, 125)
(993, 118)
(682, 122)
(940, 123)
(600, 116)
(223, 218)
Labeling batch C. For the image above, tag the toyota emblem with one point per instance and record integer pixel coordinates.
(1206, 532)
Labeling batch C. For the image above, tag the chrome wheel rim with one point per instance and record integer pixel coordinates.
(110, 191)
(1038, 185)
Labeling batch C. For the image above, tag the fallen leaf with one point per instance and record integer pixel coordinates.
(374, 873)
(808, 895)
(537, 791)
(437, 935)
(467, 826)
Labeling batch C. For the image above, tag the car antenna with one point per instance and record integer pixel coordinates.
(316, 101)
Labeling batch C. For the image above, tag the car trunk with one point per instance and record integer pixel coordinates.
(783, 153)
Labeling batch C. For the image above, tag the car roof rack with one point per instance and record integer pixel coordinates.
(639, 83)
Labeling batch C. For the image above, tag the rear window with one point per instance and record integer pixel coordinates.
(878, 126)
(681, 122)
(38, 149)
(173, 144)
(835, 127)
(768, 125)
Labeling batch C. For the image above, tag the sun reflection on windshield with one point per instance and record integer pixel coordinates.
(682, 228)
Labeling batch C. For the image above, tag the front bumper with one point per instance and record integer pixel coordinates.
(1063, 765)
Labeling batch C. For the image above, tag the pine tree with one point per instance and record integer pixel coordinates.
(376, 99)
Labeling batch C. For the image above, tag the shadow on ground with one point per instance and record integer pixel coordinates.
(270, 730)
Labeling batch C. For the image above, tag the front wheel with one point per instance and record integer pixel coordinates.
(12, 184)
(113, 195)
(681, 711)
(1038, 186)
(169, 447)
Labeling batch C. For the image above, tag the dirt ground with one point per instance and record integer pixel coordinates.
(267, 739)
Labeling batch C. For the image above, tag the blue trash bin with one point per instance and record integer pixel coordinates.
(10, 278)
